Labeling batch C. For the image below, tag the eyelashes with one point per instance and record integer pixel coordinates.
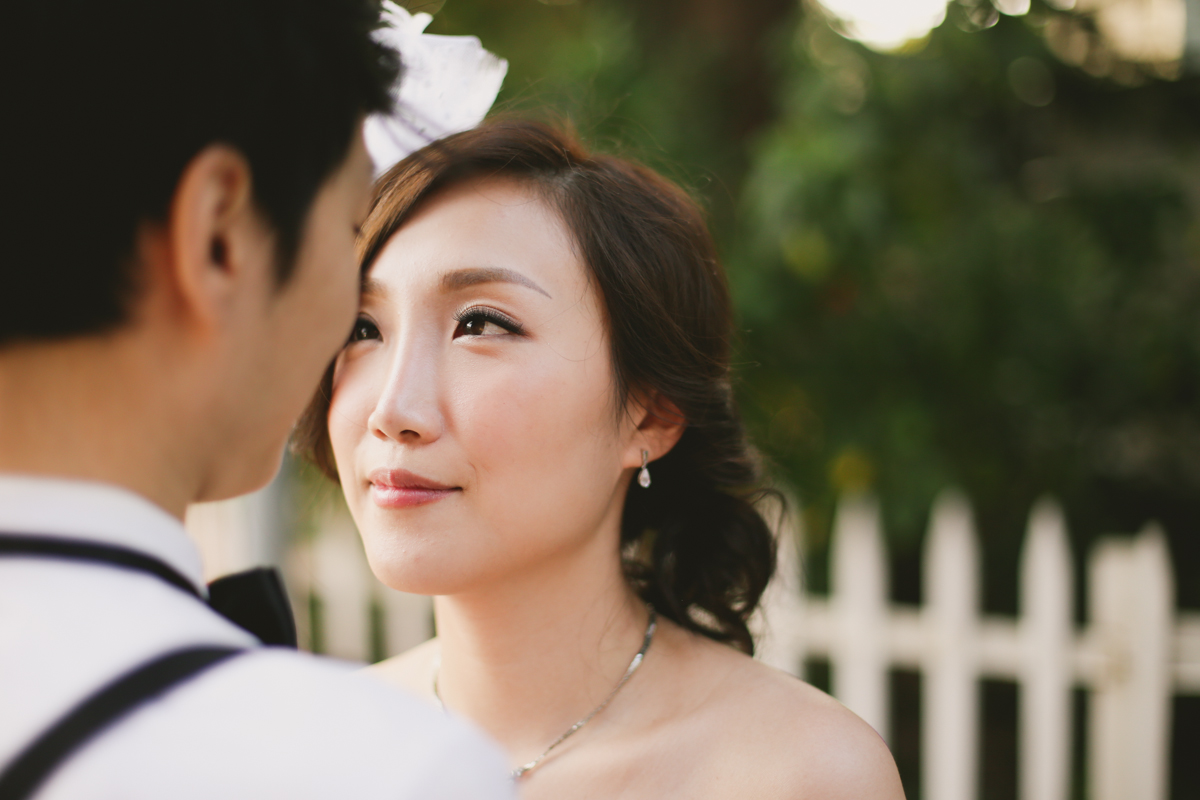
(473, 321)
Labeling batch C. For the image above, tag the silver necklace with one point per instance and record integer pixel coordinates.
(651, 626)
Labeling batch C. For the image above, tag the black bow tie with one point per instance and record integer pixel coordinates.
(257, 601)
(254, 600)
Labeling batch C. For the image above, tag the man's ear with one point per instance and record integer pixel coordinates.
(660, 423)
(213, 240)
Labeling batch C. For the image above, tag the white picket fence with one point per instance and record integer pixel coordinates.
(1135, 653)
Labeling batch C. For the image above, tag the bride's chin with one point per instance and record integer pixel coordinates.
(419, 565)
(425, 582)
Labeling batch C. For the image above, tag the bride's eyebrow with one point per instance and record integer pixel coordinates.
(462, 278)
(372, 288)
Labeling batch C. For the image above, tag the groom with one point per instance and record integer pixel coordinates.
(183, 183)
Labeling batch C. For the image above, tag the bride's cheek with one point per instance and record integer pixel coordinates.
(349, 412)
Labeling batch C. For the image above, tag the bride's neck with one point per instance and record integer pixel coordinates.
(528, 657)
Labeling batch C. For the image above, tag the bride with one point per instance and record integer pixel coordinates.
(533, 422)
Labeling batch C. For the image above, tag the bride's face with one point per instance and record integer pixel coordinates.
(472, 416)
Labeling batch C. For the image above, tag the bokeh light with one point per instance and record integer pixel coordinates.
(890, 24)
(887, 24)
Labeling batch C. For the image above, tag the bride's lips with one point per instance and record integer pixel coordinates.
(399, 488)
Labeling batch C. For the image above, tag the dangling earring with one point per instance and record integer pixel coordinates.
(644, 475)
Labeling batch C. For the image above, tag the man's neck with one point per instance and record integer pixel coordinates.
(84, 408)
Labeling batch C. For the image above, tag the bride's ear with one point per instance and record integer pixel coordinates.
(659, 424)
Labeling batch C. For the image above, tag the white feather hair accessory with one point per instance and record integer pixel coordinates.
(448, 85)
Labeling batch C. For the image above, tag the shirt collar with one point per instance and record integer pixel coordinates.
(97, 512)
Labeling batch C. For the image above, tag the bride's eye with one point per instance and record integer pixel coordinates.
(479, 321)
(363, 329)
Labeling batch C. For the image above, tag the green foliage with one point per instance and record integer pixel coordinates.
(975, 266)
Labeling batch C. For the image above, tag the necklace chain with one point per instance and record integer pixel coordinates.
(651, 626)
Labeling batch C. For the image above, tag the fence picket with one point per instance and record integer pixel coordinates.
(340, 578)
(241, 532)
(1187, 652)
(1131, 609)
(950, 693)
(298, 577)
(859, 583)
(1046, 632)
(1150, 674)
(779, 624)
(407, 618)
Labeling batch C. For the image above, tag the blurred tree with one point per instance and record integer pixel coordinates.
(977, 266)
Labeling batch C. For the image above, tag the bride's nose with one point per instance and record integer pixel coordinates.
(409, 409)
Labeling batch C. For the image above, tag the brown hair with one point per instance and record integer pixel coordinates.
(707, 554)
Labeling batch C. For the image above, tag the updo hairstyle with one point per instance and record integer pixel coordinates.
(694, 546)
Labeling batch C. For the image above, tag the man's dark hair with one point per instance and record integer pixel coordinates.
(106, 103)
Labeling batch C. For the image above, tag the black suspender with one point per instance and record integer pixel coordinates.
(125, 694)
(107, 706)
(79, 550)
(254, 600)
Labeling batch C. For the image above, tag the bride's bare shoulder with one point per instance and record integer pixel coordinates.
(832, 750)
(411, 670)
(807, 744)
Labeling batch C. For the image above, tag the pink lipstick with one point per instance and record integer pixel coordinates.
(399, 488)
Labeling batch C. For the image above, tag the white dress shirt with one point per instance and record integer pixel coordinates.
(272, 723)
